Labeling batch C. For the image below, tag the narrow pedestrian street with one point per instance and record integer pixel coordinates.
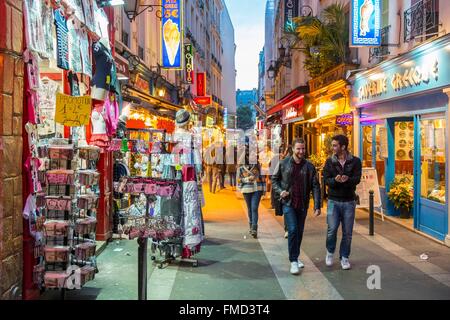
(233, 265)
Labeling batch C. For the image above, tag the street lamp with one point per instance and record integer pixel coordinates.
(271, 72)
(131, 8)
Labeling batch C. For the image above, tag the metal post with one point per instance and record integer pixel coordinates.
(371, 212)
(142, 258)
(142, 268)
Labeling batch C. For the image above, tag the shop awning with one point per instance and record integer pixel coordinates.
(152, 100)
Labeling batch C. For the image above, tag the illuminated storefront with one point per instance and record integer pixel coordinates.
(403, 111)
(329, 112)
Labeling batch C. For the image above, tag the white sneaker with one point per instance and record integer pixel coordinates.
(329, 259)
(286, 234)
(294, 268)
(300, 264)
(345, 263)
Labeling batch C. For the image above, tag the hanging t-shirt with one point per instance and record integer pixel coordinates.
(84, 49)
(75, 53)
(77, 9)
(47, 26)
(47, 107)
(101, 21)
(74, 84)
(62, 40)
(34, 27)
(103, 64)
(88, 15)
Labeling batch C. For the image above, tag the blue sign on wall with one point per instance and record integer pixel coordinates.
(426, 68)
(172, 34)
(366, 23)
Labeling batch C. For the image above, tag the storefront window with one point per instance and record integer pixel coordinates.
(381, 141)
(433, 160)
(367, 147)
(404, 148)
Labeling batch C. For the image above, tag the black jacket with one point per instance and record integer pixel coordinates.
(282, 181)
(337, 191)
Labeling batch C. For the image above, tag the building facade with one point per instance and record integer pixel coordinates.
(390, 100)
(228, 92)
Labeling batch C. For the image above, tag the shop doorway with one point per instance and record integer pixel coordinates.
(400, 164)
(431, 195)
(372, 143)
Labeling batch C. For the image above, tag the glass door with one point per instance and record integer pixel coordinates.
(432, 194)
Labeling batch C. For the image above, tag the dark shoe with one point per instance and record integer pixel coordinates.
(254, 234)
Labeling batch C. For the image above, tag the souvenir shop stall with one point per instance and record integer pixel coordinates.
(72, 108)
(158, 192)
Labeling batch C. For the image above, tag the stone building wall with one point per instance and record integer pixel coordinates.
(11, 109)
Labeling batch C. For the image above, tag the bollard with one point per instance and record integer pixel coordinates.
(142, 269)
(371, 212)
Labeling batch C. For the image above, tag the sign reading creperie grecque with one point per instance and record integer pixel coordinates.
(418, 71)
(411, 77)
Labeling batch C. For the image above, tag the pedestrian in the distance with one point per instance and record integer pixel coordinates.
(294, 180)
(232, 169)
(252, 186)
(342, 173)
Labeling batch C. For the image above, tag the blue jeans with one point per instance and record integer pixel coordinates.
(295, 221)
(340, 212)
(252, 200)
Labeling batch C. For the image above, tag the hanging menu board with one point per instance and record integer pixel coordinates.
(369, 181)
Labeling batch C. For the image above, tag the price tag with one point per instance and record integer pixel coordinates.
(178, 167)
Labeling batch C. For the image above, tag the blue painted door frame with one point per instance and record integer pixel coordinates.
(390, 161)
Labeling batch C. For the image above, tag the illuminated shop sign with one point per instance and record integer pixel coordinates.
(406, 77)
(201, 84)
(345, 119)
(189, 63)
(366, 23)
(291, 11)
(172, 34)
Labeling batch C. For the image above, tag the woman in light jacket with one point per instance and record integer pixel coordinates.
(252, 186)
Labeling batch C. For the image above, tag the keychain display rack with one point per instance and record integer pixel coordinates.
(68, 203)
(163, 233)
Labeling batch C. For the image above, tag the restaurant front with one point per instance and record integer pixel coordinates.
(403, 110)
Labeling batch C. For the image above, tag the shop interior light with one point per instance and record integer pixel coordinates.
(377, 76)
(161, 92)
(110, 3)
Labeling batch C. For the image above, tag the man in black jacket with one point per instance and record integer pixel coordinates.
(293, 181)
(342, 173)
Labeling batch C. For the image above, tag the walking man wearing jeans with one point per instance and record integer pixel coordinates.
(293, 181)
(342, 173)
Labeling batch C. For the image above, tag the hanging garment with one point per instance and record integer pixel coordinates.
(103, 65)
(84, 49)
(112, 115)
(88, 15)
(74, 51)
(62, 40)
(74, 84)
(47, 26)
(34, 28)
(99, 136)
(32, 61)
(47, 107)
(192, 222)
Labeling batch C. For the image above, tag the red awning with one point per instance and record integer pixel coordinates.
(286, 100)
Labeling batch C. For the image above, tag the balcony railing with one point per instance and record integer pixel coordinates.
(331, 76)
(379, 53)
(421, 20)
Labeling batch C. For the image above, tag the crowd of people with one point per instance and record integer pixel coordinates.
(290, 180)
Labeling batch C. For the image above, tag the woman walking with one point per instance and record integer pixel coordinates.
(252, 186)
